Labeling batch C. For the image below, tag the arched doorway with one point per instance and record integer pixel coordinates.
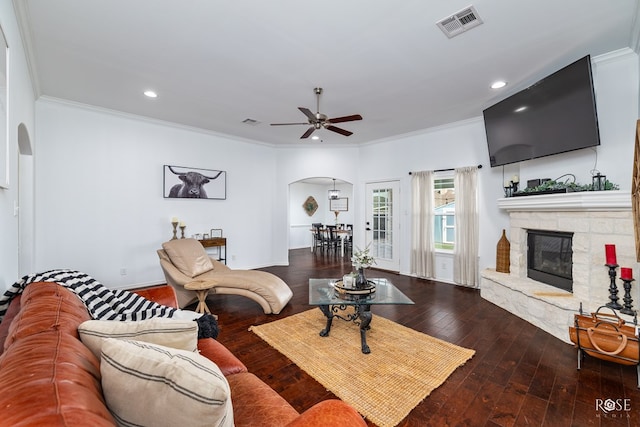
(301, 215)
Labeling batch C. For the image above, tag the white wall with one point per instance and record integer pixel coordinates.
(464, 144)
(616, 79)
(20, 110)
(296, 163)
(100, 197)
(456, 145)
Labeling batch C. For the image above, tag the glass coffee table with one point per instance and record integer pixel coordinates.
(333, 300)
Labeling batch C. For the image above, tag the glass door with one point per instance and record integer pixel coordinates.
(382, 223)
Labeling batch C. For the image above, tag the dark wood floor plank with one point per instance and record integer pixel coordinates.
(519, 376)
(533, 412)
(508, 405)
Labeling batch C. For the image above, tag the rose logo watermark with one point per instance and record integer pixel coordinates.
(613, 408)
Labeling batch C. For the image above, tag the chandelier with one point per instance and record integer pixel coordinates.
(334, 194)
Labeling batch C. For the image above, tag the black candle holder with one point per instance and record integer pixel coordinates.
(613, 289)
(628, 306)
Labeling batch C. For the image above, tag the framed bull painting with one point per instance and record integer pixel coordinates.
(192, 183)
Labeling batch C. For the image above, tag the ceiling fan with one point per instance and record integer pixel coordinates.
(319, 120)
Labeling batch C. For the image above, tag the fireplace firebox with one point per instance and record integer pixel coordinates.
(549, 258)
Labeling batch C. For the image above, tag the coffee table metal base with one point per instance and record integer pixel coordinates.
(361, 316)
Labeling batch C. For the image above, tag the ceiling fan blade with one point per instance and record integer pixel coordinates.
(339, 130)
(346, 118)
(309, 114)
(308, 133)
(288, 124)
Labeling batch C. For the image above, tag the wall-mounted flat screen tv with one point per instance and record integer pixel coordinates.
(555, 115)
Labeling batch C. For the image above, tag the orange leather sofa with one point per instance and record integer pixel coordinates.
(48, 377)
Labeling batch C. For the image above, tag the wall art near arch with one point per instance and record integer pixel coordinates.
(310, 206)
(192, 183)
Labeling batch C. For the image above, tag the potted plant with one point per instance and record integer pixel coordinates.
(362, 259)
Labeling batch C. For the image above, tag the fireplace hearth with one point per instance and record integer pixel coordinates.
(550, 258)
(586, 221)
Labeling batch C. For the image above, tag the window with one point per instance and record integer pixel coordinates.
(382, 223)
(444, 229)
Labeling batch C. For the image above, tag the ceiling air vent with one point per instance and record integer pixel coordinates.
(460, 22)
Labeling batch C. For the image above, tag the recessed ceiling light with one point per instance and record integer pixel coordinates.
(520, 109)
(150, 94)
(315, 137)
(499, 84)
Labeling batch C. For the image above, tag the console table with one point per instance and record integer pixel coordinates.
(216, 242)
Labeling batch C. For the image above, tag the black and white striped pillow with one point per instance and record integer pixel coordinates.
(153, 385)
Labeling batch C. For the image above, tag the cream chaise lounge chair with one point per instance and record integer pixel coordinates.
(185, 260)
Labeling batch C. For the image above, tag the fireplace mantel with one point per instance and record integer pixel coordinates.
(613, 200)
(595, 218)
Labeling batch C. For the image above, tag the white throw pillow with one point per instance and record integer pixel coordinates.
(152, 385)
(170, 332)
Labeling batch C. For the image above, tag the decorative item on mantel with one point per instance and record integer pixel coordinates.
(569, 185)
(182, 227)
(503, 251)
(362, 259)
(598, 182)
(510, 187)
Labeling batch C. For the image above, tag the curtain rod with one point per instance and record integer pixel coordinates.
(447, 170)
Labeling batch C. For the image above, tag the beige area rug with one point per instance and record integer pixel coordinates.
(404, 366)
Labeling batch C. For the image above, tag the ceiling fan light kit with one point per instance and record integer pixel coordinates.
(318, 120)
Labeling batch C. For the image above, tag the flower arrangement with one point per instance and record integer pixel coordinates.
(362, 258)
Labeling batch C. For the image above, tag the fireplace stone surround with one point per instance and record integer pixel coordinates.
(596, 218)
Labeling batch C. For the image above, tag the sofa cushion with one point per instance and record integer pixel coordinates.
(37, 315)
(51, 379)
(261, 405)
(148, 384)
(174, 333)
(12, 311)
(189, 256)
(221, 356)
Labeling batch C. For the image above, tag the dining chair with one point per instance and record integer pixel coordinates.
(333, 240)
(349, 239)
(319, 237)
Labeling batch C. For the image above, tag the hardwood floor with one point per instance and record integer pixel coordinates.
(519, 376)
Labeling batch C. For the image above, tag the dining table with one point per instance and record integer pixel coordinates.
(343, 234)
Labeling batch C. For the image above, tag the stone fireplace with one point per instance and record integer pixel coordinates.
(592, 219)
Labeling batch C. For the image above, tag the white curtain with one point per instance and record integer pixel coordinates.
(465, 255)
(422, 246)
